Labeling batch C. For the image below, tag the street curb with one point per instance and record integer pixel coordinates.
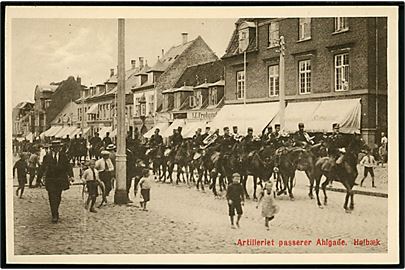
(360, 192)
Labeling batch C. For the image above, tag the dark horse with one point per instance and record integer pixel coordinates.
(159, 161)
(345, 172)
(179, 157)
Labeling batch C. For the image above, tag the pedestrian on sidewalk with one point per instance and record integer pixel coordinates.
(91, 179)
(33, 165)
(369, 163)
(269, 208)
(145, 185)
(58, 175)
(105, 168)
(21, 167)
(235, 198)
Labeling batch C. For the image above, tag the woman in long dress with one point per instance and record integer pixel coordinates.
(269, 208)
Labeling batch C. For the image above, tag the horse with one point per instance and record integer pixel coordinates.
(345, 172)
(179, 157)
(158, 159)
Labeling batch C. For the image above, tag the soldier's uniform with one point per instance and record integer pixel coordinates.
(336, 144)
(301, 137)
(226, 142)
(155, 140)
(198, 140)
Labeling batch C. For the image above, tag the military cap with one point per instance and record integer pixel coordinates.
(276, 125)
(235, 175)
(226, 128)
(105, 153)
(336, 125)
(250, 129)
(300, 124)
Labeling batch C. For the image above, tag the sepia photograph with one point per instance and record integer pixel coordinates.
(192, 135)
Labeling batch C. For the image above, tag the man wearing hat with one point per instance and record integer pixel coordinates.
(235, 198)
(58, 173)
(266, 135)
(301, 137)
(248, 141)
(96, 144)
(107, 140)
(337, 144)
(206, 134)
(106, 170)
(226, 143)
(236, 136)
(156, 139)
(197, 138)
(33, 164)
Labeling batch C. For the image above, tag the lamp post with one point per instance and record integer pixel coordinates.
(282, 84)
(120, 196)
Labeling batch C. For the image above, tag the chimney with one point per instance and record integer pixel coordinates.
(79, 80)
(140, 62)
(111, 72)
(158, 57)
(133, 64)
(184, 36)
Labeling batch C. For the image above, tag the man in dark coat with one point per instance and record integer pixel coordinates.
(107, 140)
(156, 139)
(301, 137)
(58, 173)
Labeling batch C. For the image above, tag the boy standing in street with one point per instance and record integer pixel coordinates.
(21, 167)
(91, 178)
(369, 163)
(145, 185)
(235, 198)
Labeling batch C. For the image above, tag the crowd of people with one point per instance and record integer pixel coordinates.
(52, 160)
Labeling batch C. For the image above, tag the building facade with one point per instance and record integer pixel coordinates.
(23, 119)
(325, 59)
(163, 76)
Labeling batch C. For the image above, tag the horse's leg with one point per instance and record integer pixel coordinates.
(254, 187)
(310, 176)
(213, 184)
(318, 177)
(244, 180)
(324, 184)
(291, 186)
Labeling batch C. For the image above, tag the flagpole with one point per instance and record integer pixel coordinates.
(282, 85)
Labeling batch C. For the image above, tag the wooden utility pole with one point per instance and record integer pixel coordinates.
(282, 84)
(121, 196)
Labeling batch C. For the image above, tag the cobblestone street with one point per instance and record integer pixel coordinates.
(184, 220)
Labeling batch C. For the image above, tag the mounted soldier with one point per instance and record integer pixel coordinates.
(249, 143)
(206, 134)
(96, 144)
(156, 139)
(301, 137)
(197, 139)
(236, 136)
(226, 143)
(336, 144)
(266, 135)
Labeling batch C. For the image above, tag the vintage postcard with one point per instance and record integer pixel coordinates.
(201, 135)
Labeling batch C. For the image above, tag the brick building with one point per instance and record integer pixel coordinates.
(326, 60)
(148, 95)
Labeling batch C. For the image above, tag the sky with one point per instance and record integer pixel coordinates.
(50, 50)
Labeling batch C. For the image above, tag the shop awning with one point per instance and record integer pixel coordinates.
(52, 131)
(71, 131)
(318, 116)
(295, 113)
(93, 109)
(79, 130)
(161, 126)
(256, 116)
(176, 123)
(63, 132)
(104, 131)
(192, 126)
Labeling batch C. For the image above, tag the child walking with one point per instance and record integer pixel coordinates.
(92, 180)
(21, 167)
(235, 198)
(145, 185)
(369, 163)
(269, 209)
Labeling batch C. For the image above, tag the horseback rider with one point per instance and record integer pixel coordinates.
(107, 140)
(226, 143)
(249, 143)
(301, 137)
(266, 135)
(206, 134)
(176, 139)
(197, 139)
(336, 144)
(275, 137)
(156, 139)
(236, 136)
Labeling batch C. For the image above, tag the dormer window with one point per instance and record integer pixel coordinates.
(192, 101)
(244, 31)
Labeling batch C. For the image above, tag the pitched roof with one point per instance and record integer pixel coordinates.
(170, 56)
(47, 87)
(197, 74)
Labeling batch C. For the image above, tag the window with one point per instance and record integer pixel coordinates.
(198, 99)
(273, 81)
(304, 28)
(151, 104)
(143, 109)
(243, 39)
(213, 96)
(342, 72)
(274, 35)
(305, 76)
(177, 97)
(137, 107)
(341, 24)
(47, 103)
(240, 84)
(192, 101)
